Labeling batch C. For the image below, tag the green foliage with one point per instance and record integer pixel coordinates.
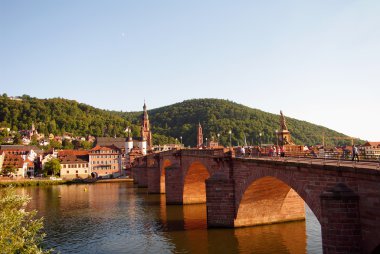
(59, 115)
(20, 232)
(34, 182)
(181, 119)
(220, 116)
(8, 170)
(52, 167)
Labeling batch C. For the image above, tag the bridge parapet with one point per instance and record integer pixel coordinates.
(217, 152)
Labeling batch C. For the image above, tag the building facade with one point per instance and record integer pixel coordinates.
(74, 164)
(105, 161)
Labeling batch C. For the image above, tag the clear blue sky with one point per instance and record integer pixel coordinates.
(317, 61)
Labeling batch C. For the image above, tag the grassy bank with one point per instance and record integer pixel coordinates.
(22, 183)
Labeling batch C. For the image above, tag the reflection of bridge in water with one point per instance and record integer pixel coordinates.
(343, 195)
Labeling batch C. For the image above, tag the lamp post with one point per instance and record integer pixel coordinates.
(218, 138)
(176, 139)
(206, 142)
(181, 140)
(277, 137)
(260, 138)
(230, 132)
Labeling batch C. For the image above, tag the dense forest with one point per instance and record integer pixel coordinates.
(168, 123)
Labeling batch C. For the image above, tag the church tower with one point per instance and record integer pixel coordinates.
(146, 134)
(199, 136)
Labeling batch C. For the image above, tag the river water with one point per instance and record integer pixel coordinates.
(120, 218)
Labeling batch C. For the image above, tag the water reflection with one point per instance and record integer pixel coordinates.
(118, 218)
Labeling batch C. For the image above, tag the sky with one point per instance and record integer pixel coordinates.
(317, 61)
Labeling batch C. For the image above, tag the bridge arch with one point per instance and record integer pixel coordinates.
(166, 163)
(268, 200)
(194, 186)
(376, 250)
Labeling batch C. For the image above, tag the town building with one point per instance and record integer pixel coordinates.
(74, 164)
(371, 150)
(30, 155)
(105, 161)
(17, 163)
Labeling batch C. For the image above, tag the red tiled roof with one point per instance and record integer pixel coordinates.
(73, 152)
(13, 160)
(373, 144)
(105, 148)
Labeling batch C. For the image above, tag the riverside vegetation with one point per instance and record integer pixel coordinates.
(20, 230)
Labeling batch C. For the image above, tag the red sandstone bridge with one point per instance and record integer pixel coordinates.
(344, 196)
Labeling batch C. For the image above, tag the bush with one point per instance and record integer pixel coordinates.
(20, 231)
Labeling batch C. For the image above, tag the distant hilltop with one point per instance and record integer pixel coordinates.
(168, 124)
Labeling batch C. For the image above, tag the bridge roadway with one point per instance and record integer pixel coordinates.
(246, 191)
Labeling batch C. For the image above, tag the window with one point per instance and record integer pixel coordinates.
(67, 172)
(76, 171)
(64, 166)
(85, 171)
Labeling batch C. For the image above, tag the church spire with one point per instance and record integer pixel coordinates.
(145, 128)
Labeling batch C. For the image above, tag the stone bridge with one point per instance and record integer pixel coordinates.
(344, 196)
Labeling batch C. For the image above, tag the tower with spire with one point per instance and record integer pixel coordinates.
(146, 134)
(199, 136)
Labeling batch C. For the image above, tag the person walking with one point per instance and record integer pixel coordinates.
(355, 153)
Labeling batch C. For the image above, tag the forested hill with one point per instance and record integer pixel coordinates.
(174, 121)
(220, 116)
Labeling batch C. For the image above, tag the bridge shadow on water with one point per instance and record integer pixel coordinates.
(186, 227)
(117, 218)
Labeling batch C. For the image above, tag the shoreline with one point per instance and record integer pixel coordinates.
(43, 182)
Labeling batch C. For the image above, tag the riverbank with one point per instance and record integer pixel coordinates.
(45, 182)
(28, 182)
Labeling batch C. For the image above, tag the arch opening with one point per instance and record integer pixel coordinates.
(269, 200)
(166, 164)
(194, 190)
(376, 250)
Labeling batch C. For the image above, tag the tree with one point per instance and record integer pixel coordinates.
(86, 145)
(67, 144)
(52, 167)
(9, 169)
(20, 231)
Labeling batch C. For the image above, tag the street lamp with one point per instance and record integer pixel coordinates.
(206, 142)
(277, 137)
(230, 132)
(218, 138)
(260, 138)
(181, 140)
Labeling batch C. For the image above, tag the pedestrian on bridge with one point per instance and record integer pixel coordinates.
(355, 153)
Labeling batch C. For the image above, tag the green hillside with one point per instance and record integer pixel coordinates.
(59, 115)
(220, 116)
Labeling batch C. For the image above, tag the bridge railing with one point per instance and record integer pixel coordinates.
(327, 158)
(217, 152)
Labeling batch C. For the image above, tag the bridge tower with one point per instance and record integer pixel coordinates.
(284, 134)
(199, 136)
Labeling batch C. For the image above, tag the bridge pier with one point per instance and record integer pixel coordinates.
(154, 175)
(174, 185)
(340, 222)
(140, 176)
(220, 196)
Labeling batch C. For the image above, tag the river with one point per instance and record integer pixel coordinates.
(120, 218)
